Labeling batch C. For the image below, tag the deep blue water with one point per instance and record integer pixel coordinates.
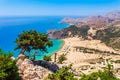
(10, 27)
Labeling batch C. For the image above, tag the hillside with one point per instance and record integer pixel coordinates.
(105, 28)
(111, 36)
(71, 31)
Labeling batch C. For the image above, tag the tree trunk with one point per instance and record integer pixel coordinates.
(23, 51)
(34, 55)
(55, 57)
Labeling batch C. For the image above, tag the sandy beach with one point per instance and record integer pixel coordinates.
(79, 59)
(75, 56)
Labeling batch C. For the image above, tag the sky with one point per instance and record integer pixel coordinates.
(57, 7)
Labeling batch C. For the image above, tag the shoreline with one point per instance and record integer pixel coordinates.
(83, 61)
(57, 45)
(63, 44)
(74, 56)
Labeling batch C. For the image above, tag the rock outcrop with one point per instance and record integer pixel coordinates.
(32, 70)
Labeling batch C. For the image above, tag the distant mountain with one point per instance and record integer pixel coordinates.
(94, 21)
(115, 15)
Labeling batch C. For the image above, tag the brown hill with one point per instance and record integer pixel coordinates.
(115, 15)
(95, 21)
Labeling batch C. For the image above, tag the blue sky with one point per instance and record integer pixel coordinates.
(57, 7)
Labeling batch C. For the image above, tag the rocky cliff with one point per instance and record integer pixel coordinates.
(34, 70)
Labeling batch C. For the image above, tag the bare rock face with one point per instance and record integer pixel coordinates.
(29, 71)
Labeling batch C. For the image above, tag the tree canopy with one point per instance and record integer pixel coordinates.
(32, 40)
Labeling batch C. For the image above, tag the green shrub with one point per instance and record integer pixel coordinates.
(61, 58)
(102, 75)
(107, 74)
(62, 74)
(8, 68)
(93, 76)
(117, 61)
(47, 58)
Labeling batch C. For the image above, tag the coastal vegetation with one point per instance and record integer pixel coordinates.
(62, 74)
(65, 74)
(47, 58)
(8, 68)
(107, 74)
(61, 58)
(117, 61)
(32, 40)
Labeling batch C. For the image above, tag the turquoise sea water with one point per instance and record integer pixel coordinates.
(57, 46)
(10, 27)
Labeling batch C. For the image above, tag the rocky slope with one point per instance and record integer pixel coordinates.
(110, 36)
(34, 70)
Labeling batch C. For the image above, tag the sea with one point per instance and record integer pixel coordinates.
(11, 27)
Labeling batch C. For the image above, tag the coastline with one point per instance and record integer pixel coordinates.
(58, 51)
(61, 51)
(40, 23)
(60, 46)
(57, 45)
(73, 56)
